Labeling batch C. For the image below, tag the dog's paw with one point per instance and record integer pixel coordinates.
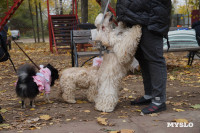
(104, 109)
(71, 101)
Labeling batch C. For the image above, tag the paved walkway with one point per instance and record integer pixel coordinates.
(140, 124)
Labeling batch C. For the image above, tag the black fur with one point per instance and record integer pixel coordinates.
(26, 87)
(1, 119)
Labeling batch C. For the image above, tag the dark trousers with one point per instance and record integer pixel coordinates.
(150, 57)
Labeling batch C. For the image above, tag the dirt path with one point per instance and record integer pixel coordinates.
(139, 124)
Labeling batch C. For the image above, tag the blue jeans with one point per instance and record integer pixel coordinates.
(153, 66)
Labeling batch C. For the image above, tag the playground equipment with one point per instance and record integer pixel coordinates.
(10, 11)
(59, 25)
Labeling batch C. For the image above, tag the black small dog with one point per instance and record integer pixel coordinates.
(27, 85)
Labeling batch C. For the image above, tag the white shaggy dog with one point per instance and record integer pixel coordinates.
(121, 44)
(103, 83)
(78, 77)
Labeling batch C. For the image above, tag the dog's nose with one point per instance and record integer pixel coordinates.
(111, 18)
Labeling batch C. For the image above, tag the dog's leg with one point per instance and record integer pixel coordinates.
(47, 98)
(106, 100)
(68, 92)
(69, 96)
(91, 93)
(32, 103)
(23, 103)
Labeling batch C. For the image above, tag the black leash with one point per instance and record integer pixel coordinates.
(26, 55)
(12, 64)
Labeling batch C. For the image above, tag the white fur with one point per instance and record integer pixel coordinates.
(78, 77)
(98, 20)
(103, 83)
(122, 43)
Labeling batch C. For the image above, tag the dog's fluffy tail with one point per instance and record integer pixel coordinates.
(25, 71)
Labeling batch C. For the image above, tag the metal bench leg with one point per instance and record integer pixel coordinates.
(75, 56)
(72, 55)
(191, 57)
(72, 48)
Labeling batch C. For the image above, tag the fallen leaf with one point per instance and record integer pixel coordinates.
(130, 97)
(114, 132)
(168, 102)
(172, 78)
(104, 113)
(38, 127)
(138, 110)
(177, 104)
(153, 114)
(3, 110)
(178, 110)
(124, 121)
(122, 116)
(102, 121)
(196, 106)
(127, 131)
(87, 111)
(68, 119)
(4, 125)
(80, 102)
(180, 120)
(125, 89)
(32, 128)
(45, 117)
(32, 109)
(35, 119)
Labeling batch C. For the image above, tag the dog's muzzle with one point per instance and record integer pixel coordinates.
(111, 18)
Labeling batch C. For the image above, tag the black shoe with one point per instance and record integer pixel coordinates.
(152, 108)
(1, 119)
(141, 101)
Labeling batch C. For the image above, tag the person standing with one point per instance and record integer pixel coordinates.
(154, 17)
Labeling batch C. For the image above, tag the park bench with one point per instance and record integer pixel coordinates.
(180, 41)
(81, 37)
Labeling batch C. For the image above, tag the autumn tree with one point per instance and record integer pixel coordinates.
(84, 11)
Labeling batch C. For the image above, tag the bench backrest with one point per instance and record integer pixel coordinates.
(81, 36)
(181, 40)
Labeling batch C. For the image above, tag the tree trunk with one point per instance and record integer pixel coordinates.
(31, 15)
(61, 7)
(56, 7)
(84, 11)
(41, 20)
(38, 32)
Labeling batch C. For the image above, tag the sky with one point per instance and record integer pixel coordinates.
(181, 2)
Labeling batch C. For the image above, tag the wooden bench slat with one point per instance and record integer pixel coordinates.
(81, 33)
(84, 54)
(182, 49)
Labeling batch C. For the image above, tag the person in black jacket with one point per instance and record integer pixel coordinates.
(3, 39)
(154, 17)
(196, 27)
